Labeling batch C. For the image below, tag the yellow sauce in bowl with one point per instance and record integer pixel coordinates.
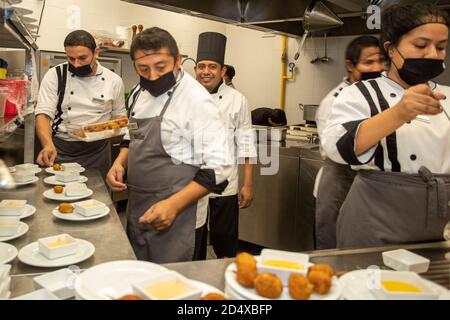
(399, 286)
(168, 289)
(59, 242)
(284, 264)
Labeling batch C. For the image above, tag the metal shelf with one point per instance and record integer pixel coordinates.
(13, 32)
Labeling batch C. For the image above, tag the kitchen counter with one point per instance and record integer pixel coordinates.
(212, 271)
(106, 234)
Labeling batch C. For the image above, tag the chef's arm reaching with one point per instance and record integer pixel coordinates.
(115, 176)
(48, 153)
(418, 100)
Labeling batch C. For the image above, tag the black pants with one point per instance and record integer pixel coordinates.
(224, 225)
(201, 236)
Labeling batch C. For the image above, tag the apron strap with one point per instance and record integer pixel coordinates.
(134, 95)
(437, 192)
(62, 80)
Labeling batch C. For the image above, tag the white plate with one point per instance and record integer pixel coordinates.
(52, 181)
(79, 217)
(7, 253)
(206, 288)
(23, 228)
(113, 279)
(250, 294)
(355, 285)
(34, 180)
(35, 171)
(51, 171)
(50, 194)
(29, 211)
(30, 255)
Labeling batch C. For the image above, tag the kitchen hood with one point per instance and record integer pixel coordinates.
(279, 16)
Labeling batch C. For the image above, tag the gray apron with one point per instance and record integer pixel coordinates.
(334, 185)
(394, 208)
(152, 177)
(90, 155)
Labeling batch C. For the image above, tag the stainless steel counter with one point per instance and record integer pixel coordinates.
(107, 234)
(212, 271)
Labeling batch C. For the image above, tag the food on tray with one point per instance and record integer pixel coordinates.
(130, 297)
(322, 281)
(268, 285)
(57, 167)
(122, 122)
(66, 208)
(299, 287)
(214, 296)
(284, 264)
(246, 269)
(322, 268)
(399, 286)
(58, 189)
(168, 289)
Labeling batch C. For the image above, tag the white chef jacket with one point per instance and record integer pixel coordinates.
(192, 131)
(236, 115)
(414, 145)
(87, 100)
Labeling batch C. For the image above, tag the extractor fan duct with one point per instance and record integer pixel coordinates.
(317, 18)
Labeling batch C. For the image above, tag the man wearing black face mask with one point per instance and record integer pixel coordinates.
(79, 92)
(174, 153)
(363, 61)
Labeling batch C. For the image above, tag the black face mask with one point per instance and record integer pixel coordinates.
(82, 71)
(420, 70)
(159, 86)
(370, 75)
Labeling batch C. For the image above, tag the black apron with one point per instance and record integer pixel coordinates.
(153, 176)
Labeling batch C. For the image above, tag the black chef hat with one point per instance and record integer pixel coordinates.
(211, 46)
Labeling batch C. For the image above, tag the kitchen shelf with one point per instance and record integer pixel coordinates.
(13, 32)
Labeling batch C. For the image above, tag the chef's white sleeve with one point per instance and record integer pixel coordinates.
(118, 107)
(48, 96)
(348, 111)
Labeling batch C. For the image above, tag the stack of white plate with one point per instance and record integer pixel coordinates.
(237, 292)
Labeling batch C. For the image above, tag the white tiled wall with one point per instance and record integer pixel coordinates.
(257, 59)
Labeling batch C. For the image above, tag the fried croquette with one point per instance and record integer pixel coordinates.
(245, 258)
(66, 208)
(213, 296)
(299, 287)
(323, 268)
(268, 285)
(58, 189)
(122, 123)
(130, 297)
(57, 166)
(321, 281)
(246, 275)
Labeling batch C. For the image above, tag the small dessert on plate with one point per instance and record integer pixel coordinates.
(58, 189)
(12, 207)
(268, 285)
(57, 167)
(58, 246)
(66, 208)
(213, 296)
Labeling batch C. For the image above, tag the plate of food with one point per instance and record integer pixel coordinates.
(70, 192)
(22, 228)
(69, 212)
(243, 280)
(68, 167)
(52, 180)
(100, 131)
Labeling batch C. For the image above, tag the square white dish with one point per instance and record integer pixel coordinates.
(22, 176)
(58, 246)
(404, 260)
(89, 208)
(12, 207)
(38, 295)
(71, 167)
(283, 263)
(9, 225)
(60, 283)
(155, 288)
(67, 176)
(75, 189)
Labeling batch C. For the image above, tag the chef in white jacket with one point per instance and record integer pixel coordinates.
(235, 112)
(394, 132)
(174, 152)
(363, 60)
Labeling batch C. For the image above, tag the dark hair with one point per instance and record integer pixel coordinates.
(80, 38)
(398, 20)
(353, 51)
(230, 71)
(154, 39)
(278, 116)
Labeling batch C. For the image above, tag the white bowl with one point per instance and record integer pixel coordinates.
(89, 208)
(60, 283)
(67, 176)
(278, 257)
(75, 189)
(58, 246)
(9, 225)
(26, 166)
(12, 207)
(70, 167)
(37, 295)
(404, 260)
(21, 176)
(380, 290)
(143, 288)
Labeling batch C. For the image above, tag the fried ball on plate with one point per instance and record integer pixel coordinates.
(322, 268)
(58, 189)
(246, 275)
(213, 296)
(299, 287)
(57, 166)
(245, 258)
(322, 281)
(130, 297)
(66, 208)
(268, 285)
